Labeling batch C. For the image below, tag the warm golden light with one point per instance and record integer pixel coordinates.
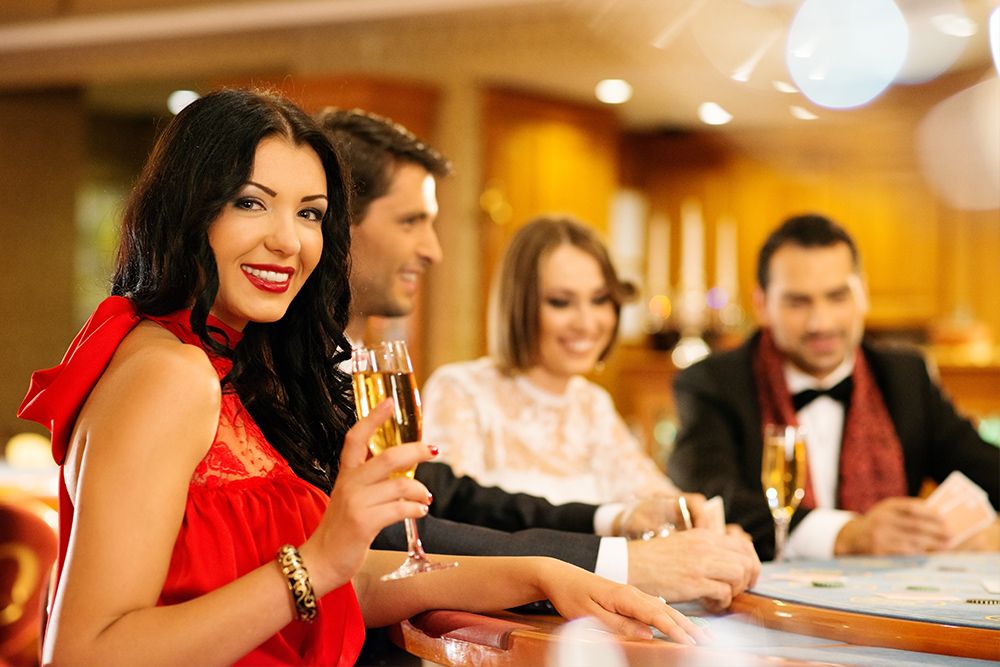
(613, 91)
(711, 113)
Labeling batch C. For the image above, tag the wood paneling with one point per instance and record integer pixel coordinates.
(43, 145)
(894, 220)
(544, 156)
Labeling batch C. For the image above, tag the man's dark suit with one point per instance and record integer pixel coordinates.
(718, 448)
(506, 524)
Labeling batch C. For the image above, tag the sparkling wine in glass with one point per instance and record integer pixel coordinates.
(380, 372)
(782, 476)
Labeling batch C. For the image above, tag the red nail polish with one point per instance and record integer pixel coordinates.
(430, 498)
(434, 449)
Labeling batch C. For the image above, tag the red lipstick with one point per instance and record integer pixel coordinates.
(268, 285)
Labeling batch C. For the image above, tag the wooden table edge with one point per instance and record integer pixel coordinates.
(869, 629)
(521, 646)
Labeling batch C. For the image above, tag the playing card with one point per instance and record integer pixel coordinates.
(963, 506)
(955, 485)
(715, 513)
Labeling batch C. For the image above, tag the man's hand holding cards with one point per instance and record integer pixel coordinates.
(964, 507)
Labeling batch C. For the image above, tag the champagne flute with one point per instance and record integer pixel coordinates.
(384, 371)
(782, 476)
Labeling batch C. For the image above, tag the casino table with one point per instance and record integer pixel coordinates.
(876, 612)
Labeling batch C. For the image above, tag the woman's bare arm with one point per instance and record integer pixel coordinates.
(137, 442)
(494, 583)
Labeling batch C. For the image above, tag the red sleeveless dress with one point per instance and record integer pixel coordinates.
(244, 501)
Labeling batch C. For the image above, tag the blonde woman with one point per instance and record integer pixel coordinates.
(524, 418)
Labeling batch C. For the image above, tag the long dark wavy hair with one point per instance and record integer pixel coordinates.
(285, 372)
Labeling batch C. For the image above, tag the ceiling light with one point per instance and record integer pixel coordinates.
(784, 86)
(180, 99)
(613, 91)
(954, 25)
(711, 113)
(802, 113)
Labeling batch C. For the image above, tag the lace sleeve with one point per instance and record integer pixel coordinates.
(627, 470)
(451, 421)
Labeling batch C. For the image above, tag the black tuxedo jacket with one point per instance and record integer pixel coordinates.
(719, 443)
(469, 519)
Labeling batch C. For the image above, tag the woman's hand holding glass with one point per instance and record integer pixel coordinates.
(370, 494)
(379, 373)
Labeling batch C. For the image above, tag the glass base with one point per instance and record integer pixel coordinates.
(416, 565)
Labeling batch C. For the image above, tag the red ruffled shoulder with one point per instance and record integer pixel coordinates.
(57, 394)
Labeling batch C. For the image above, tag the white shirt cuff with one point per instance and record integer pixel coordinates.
(612, 559)
(816, 534)
(604, 518)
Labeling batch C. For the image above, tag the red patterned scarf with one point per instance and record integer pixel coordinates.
(871, 456)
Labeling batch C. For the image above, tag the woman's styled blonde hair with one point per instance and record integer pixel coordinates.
(513, 321)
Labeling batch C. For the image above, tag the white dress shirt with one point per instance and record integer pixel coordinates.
(823, 420)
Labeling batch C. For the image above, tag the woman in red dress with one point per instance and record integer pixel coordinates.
(216, 503)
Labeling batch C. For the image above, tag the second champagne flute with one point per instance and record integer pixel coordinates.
(783, 476)
(380, 372)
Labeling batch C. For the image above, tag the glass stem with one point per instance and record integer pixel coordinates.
(780, 537)
(414, 548)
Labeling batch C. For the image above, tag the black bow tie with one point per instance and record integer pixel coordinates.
(839, 392)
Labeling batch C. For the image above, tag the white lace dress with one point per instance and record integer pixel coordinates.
(505, 431)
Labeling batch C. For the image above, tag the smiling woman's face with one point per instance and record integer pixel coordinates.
(576, 316)
(269, 238)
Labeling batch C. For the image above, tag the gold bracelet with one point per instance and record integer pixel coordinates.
(298, 582)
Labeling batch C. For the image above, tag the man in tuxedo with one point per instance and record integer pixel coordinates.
(393, 242)
(877, 425)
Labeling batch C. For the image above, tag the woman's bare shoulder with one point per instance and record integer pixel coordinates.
(156, 389)
(150, 355)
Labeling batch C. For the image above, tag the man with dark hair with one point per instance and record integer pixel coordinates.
(393, 241)
(877, 424)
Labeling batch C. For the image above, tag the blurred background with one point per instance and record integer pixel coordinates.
(721, 118)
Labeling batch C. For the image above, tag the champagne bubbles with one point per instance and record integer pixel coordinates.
(844, 53)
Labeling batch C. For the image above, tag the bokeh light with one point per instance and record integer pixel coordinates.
(958, 142)
(801, 112)
(613, 91)
(995, 38)
(717, 298)
(689, 350)
(180, 99)
(844, 53)
(660, 307)
(938, 32)
(711, 113)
